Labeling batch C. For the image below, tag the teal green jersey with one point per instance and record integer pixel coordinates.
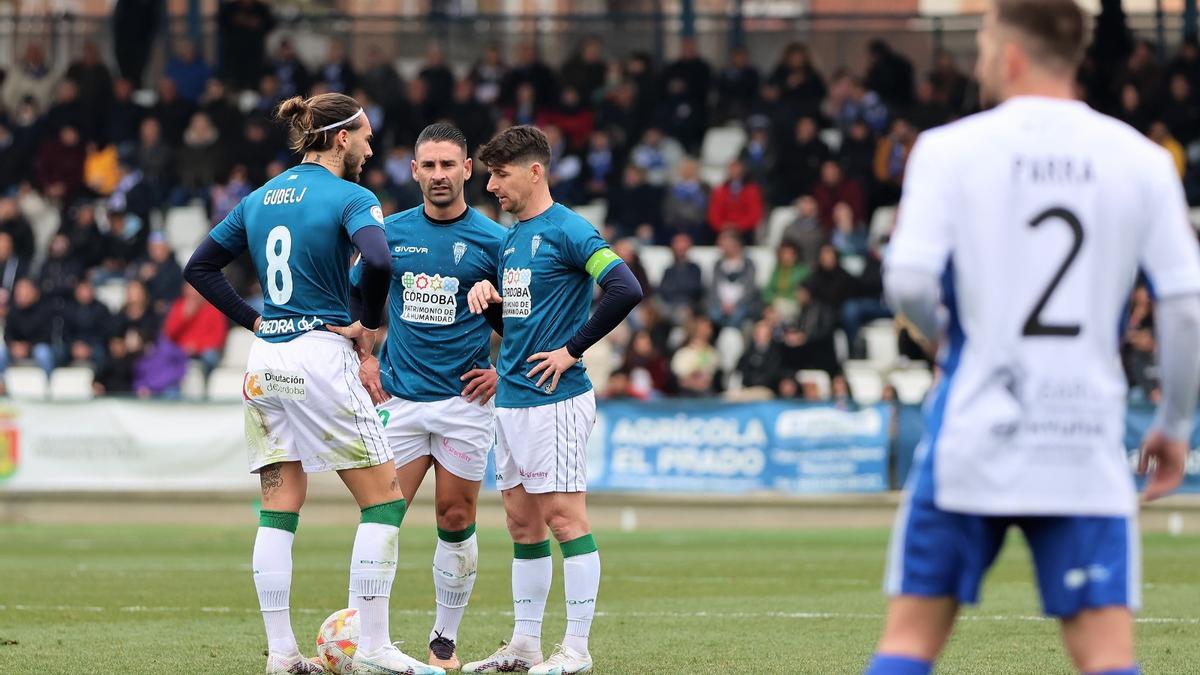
(297, 228)
(547, 265)
(433, 339)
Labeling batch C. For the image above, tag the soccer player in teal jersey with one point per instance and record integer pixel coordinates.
(545, 408)
(439, 251)
(304, 409)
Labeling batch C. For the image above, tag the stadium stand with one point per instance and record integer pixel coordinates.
(133, 178)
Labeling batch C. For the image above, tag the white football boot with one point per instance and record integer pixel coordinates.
(507, 659)
(278, 664)
(563, 661)
(390, 660)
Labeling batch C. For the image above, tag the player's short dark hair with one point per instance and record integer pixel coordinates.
(305, 117)
(516, 145)
(1055, 31)
(442, 132)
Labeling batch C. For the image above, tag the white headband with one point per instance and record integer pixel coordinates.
(348, 120)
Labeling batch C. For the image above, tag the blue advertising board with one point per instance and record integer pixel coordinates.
(738, 448)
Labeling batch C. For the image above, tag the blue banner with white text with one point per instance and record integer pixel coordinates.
(738, 448)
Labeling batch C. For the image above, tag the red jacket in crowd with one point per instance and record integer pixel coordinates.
(828, 196)
(741, 208)
(194, 325)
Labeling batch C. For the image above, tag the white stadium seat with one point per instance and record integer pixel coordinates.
(712, 176)
(730, 345)
(832, 138)
(854, 264)
(864, 381)
(656, 260)
(721, 146)
(594, 213)
(112, 295)
(883, 345)
(192, 386)
(911, 384)
(881, 223)
(237, 348)
(186, 227)
(225, 384)
(72, 384)
(817, 377)
(706, 257)
(777, 222)
(26, 382)
(763, 257)
(764, 263)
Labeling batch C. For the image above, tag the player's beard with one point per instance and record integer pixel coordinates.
(509, 205)
(444, 198)
(352, 166)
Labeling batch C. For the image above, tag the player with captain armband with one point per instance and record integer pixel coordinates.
(545, 407)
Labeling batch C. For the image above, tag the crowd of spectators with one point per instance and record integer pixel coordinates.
(79, 147)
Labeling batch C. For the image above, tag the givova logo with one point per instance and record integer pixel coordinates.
(9, 455)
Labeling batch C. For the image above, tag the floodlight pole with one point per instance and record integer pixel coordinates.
(194, 28)
(737, 29)
(687, 18)
(659, 39)
(1160, 30)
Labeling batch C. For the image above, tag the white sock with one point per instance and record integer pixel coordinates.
(454, 568)
(272, 566)
(581, 580)
(372, 569)
(531, 578)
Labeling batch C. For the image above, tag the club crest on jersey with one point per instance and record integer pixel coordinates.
(535, 244)
(460, 249)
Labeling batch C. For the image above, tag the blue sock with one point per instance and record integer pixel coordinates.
(1132, 670)
(884, 664)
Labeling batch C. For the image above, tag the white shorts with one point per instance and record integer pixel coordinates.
(544, 448)
(456, 432)
(304, 403)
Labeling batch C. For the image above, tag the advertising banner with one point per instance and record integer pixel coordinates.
(713, 446)
(123, 445)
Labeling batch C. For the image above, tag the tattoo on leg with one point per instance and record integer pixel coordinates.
(271, 479)
(395, 484)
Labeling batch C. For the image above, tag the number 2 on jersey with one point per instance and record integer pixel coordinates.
(1033, 325)
(279, 274)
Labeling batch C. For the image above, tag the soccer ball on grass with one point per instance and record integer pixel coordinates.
(337, 640)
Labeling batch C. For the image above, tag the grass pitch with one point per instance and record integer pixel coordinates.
(156, 599)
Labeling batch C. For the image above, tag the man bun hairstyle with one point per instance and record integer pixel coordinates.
(309, 120)
(442, 132)
(516, 145)
(1054, 32)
